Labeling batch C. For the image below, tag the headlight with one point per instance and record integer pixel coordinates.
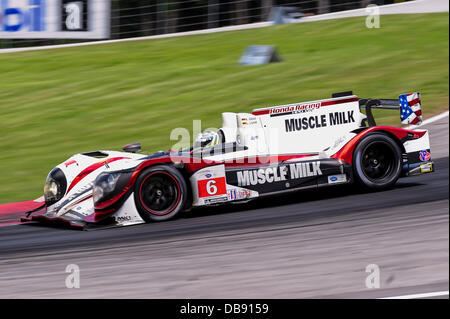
(104, 184)
(107, 185)
(55, 186)
(97, 193)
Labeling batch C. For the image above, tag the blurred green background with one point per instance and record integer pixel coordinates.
(55, 103)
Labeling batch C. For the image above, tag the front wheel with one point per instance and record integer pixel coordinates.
(377, 161)
(160, 193)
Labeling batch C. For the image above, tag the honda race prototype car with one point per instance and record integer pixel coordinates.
(269, 151)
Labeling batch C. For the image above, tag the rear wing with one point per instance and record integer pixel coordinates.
(408, 104)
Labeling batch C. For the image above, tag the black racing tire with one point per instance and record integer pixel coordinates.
(377, 161)
(160, 193)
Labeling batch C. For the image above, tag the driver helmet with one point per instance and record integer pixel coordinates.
(207, 139)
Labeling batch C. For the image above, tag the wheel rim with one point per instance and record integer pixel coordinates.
(159, 193)
(378, 160)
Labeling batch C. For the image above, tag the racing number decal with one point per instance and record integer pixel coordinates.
(212, 187)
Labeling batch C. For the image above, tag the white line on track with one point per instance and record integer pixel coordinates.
(430, 120)
(422, 295)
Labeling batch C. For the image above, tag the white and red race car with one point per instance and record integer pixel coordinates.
(271, 150)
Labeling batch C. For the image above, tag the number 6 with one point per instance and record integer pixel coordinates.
(211, 187)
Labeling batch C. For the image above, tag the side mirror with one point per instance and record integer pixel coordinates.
(132, 148)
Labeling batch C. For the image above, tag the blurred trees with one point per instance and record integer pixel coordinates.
(131, 18)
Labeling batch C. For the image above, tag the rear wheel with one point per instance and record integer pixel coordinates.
(160, 193)
(377, 161)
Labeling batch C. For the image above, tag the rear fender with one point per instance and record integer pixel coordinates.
(399, 135)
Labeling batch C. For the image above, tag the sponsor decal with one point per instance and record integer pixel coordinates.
(123, 219)
(212, 187)
(234, 194)
(312, 122)
(250, 120)
(334, 179)
(214, 200)
(294, 109)
(338, 142)
(279, 173)
(424, 155)
(300, 107)
(426, 168)
(70, 163)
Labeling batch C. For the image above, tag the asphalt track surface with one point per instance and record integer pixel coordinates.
(302, 245)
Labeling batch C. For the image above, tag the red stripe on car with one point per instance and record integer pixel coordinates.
(88, 170)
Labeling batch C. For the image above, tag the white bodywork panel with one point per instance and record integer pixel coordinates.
(209, 187)
(420, 144)
(78, 202)
(309, 127)
(326, 129)
(128, 214)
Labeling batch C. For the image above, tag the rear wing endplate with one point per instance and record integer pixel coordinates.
(408, 104)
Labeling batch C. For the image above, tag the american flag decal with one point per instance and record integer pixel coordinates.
(410, 108)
